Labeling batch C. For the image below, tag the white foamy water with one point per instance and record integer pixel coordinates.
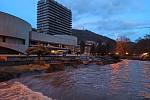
(18, 91)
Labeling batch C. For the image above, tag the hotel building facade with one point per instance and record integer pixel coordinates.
(53, 18)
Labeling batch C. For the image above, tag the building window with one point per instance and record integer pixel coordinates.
(3, 39)
(24, 42)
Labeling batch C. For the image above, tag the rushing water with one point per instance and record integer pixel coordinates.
(126, 80)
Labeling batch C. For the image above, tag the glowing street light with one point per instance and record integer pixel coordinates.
(145, 54)
(53, 51)
(117, 53)
(127, 53)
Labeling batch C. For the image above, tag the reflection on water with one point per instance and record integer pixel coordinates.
(127, 80)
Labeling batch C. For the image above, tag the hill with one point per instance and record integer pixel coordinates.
(84, 35)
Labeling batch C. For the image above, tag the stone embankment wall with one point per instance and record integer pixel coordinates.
(24, 60)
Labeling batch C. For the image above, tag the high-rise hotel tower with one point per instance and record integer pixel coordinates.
(53, 18)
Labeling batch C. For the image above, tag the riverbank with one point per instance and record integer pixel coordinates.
(11, 72)
(136, 58)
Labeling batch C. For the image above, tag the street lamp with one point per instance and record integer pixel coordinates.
(127, 53)
(117, 53)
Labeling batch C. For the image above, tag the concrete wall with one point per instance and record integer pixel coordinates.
(15, 30)
(59, 39)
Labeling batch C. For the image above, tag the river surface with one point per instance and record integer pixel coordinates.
(126, 80)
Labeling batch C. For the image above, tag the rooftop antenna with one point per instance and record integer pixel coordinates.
(83, 27)
(116, 36)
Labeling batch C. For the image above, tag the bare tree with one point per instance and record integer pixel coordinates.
(123, 46)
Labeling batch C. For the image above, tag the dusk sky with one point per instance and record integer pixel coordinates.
(105, 17)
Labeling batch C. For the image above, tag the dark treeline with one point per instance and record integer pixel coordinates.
(123, 47)
(100, 48)
(142, 45)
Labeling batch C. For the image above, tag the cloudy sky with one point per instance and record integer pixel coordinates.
(106, 17)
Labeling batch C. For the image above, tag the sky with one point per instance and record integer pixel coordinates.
(110, 18)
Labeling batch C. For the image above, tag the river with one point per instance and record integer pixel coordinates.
(126, 80)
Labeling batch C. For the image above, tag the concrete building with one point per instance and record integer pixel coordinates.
(88, 46)
(16, 35)
(53, 18)
(53, 42)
